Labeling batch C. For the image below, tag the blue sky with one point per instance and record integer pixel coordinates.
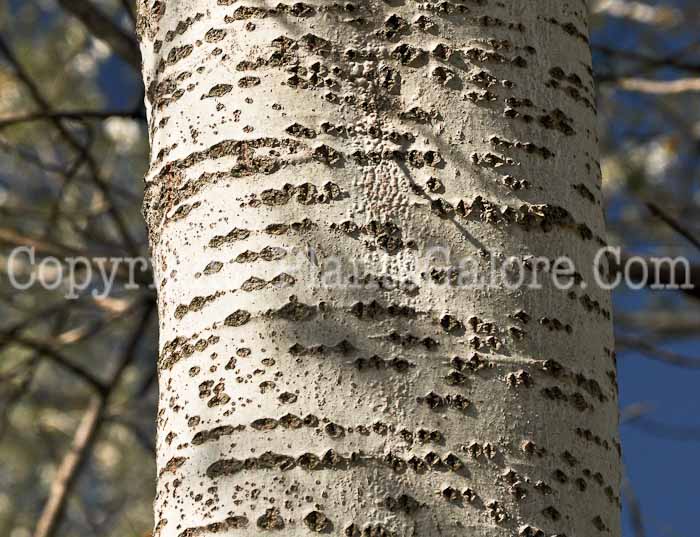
(663, 472)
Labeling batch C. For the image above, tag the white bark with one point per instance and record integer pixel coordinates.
(373, 130)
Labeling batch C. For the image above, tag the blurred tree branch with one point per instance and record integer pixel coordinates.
(646, 61)
(103, 28)
(54, 355)
(660, 87)
(674, 224)
(73, 142)
(130, 9)
(634, 508)
(665, 431)
(655, 353)
(78, 115)
(662, 325)
(85, 435)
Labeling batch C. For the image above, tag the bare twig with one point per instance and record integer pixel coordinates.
(78, 115)
(660, 87)
(666, 431)
(84, 438)
(661, 325)
(55, 356)
(102, 27)
(650, 351)
(71, 140)
(649, 61)
(671, 222)
(634, 508)
(53, 248)
(69, 468)
(14, 393)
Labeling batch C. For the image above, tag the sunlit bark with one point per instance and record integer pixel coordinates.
(288, 136)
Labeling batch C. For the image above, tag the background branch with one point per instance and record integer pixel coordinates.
(103, 28)
(85, 435)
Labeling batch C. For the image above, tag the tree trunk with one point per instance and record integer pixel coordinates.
(322, 367)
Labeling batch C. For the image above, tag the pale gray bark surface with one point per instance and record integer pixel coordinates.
(373, 130)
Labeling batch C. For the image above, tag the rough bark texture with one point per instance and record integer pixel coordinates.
(372, 130)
